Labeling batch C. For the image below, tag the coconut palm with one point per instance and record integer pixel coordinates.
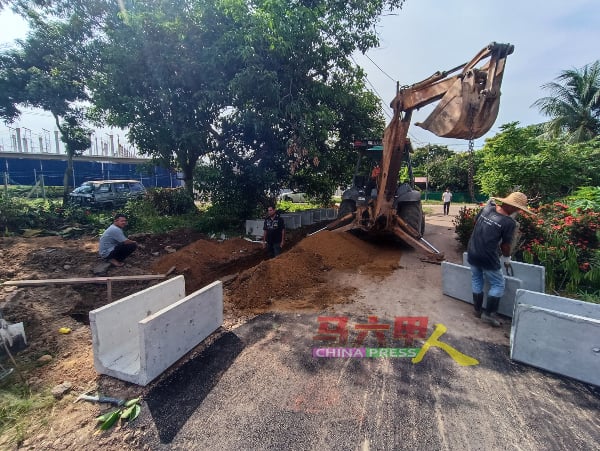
(574, 104)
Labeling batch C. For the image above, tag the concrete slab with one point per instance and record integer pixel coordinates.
(138, 337)
(456, 283)
(169, 334)
(306, 217)
(557, 334)
(533, 277)
(320, 214)
(254, 227)
(292, 220)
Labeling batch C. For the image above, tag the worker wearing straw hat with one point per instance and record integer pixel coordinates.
(494, 226)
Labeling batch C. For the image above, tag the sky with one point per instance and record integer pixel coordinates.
(425, 36)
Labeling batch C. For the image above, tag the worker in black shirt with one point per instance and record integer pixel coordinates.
(273, 232)
(494, 228)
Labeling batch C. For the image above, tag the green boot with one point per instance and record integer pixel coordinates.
(489, 314)
(477, 304)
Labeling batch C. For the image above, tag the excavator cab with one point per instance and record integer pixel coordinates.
(366, 183)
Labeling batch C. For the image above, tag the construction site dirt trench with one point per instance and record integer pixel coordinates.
(314, 273)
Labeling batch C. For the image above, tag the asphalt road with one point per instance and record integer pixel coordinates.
(259, 388)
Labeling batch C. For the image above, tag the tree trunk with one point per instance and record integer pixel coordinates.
(69, 170)
(188, 177)
(66, 178)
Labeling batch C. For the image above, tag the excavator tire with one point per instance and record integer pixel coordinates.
(412, 213)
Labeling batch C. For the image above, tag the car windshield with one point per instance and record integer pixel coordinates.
(86, 188)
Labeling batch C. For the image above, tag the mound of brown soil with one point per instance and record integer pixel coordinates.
(203, 261)
(295, 280)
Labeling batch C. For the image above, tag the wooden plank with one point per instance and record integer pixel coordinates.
(21, 283)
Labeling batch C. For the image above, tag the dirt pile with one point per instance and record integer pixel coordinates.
(203, 261)
(300, 278)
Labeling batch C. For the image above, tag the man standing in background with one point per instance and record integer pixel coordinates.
(274, 232)
(447, 197)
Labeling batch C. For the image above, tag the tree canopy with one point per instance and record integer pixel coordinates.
(574, 104)
(519, 158)
(48, 70)
(262, 87)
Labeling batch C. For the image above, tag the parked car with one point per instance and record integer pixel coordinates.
(292, 196)
(106, 193)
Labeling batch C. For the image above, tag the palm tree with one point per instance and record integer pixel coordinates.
(574, 106)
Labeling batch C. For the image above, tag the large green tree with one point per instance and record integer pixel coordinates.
(266, 88)
(299, 100)
(163, 74)
(518, 158)
(573, 104)
(48, 70)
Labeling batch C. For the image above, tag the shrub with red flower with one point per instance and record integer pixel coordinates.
(565, 241)
(562, 239)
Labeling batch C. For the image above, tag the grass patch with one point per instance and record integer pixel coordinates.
(292, 207)
(21, 410)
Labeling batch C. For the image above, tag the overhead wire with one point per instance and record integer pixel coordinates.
(389, 115)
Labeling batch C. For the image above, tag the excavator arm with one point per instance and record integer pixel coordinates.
(469, 97)
(468, 106)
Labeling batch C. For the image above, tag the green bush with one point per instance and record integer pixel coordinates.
(464, 223)
(218, 219)
(171, 201)
(565, 241)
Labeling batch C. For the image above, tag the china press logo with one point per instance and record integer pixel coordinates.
(334, 330)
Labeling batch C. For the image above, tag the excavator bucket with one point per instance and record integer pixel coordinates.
(470, 106)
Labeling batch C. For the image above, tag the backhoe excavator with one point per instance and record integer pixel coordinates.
(467, 108)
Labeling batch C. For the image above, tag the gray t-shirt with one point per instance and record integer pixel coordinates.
(109, 239)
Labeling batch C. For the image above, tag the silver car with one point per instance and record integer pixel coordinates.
(292, 196)
(106, 193)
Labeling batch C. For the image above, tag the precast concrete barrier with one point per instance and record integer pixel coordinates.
(306, 217)
(319, 214)
(254, 227)
(557, 334)
(331, 213)
(532, 277)
(138, 337)
(456, 283)
(292, 220)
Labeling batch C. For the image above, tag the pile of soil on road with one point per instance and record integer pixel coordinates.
(296, 280)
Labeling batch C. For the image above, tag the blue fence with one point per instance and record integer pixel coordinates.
(26, 171)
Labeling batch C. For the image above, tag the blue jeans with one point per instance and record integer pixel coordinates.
(493, 276)
(274, 249)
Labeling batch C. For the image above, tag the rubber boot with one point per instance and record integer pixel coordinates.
(477, 304)
(489, 314)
